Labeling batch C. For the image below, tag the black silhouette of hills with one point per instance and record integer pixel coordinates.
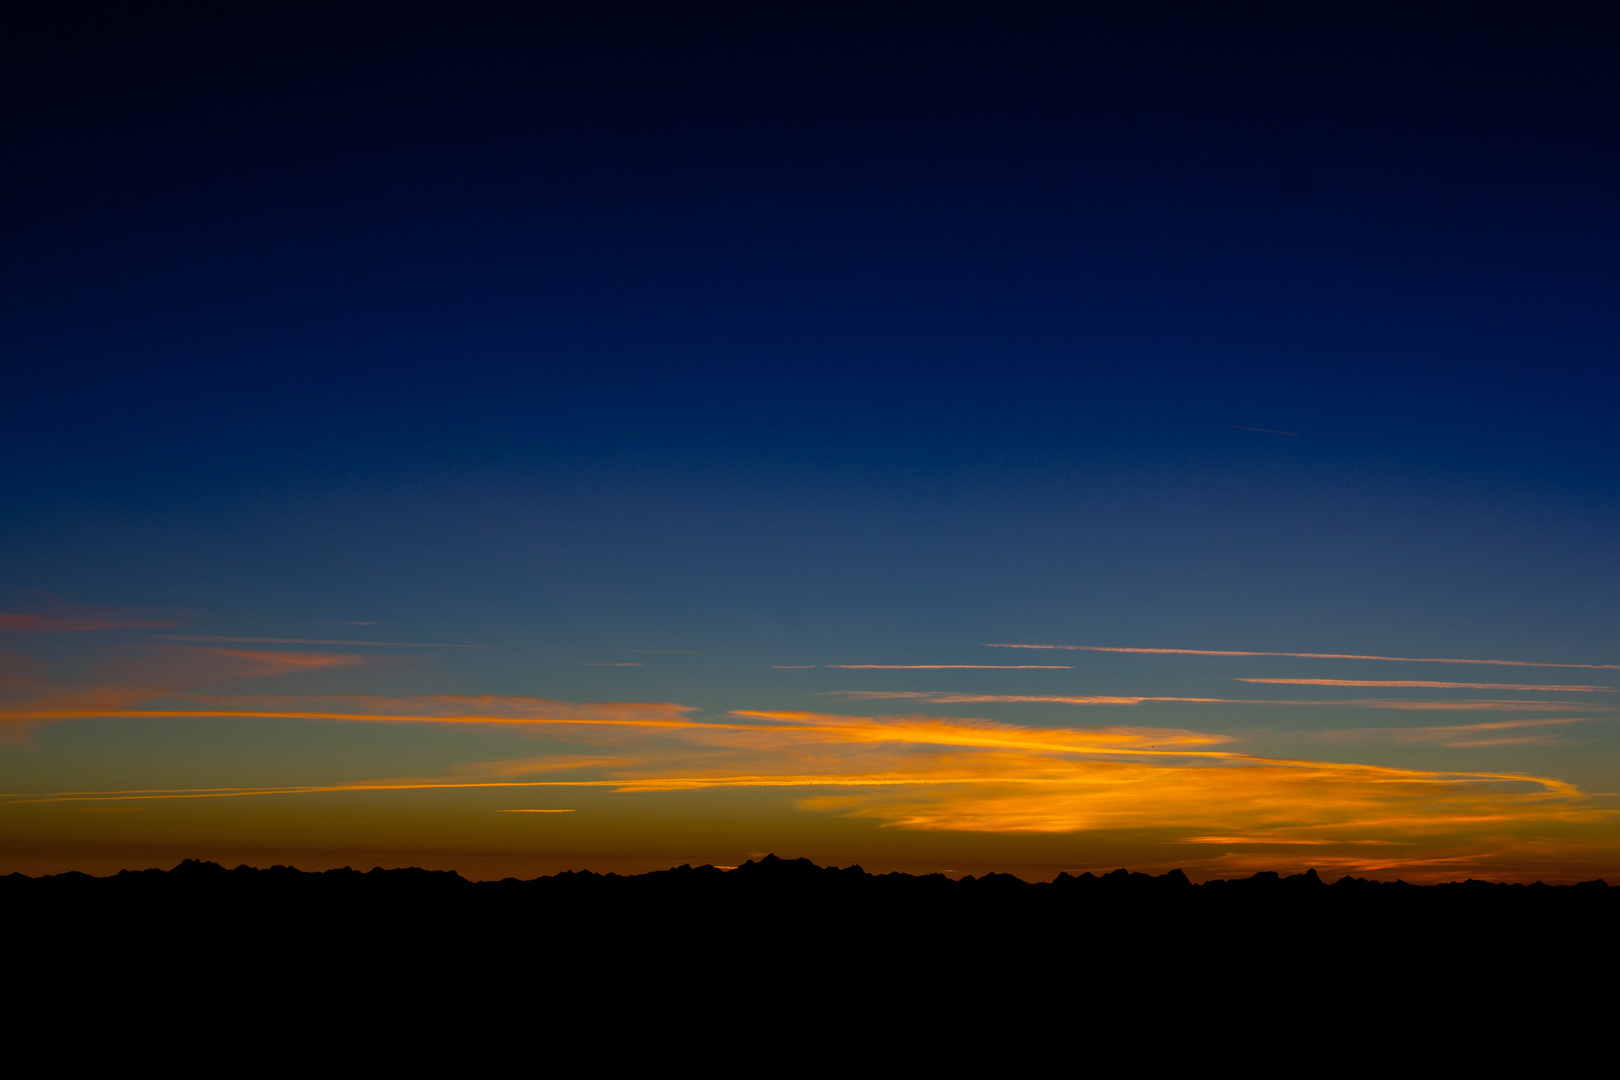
(782, 953)
(770, 873)
(825, 899)
(786, 915)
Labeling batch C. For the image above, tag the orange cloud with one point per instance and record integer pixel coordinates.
(920, 772)
(935, 731)
(1308, 656)
(1321, 800)
(900, 771)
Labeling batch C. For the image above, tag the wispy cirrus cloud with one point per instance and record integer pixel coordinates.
(377, 709)
(1494, 733)
(901, 771)
(945, 697)
(143, 673)
(316, 641)
(1429, 685)
(952, 667)
(1305, 656)
(262, 662)
(1458, 706)
(974, 775)
(59, 617)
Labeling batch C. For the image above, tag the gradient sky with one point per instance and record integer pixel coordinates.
(515, 439)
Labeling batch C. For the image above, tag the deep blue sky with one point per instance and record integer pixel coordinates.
(818, 271)
(816, 333)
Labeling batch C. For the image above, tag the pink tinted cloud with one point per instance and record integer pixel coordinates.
(317, 641)
(17, 622)
(143, 673)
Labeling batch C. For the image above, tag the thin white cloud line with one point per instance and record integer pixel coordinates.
(1427, 684)
(952, 667)
(955, 697)
(660, 652)
(1302, 655)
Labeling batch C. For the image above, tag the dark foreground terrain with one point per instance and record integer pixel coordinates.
(792, 894)
(787, 953)
(783, 907)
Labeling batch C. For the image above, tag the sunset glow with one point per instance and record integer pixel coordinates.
(517, 439)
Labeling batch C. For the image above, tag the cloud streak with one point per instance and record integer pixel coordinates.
(317, 641)
(17, 622)
(906, 772)
(143, 673)
(368, 709)
(1306, 656)
(1466, 735)
(972, 775)
(1428, 684)
(942, 697)
(953, 667)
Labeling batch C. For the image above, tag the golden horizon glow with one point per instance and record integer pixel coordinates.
(932, 773)
(909, 772)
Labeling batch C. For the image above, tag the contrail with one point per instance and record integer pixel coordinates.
(953, 667)
(1430, 685)
(1308, 656)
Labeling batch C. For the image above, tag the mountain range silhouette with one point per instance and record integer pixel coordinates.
(768, 872)
(781, 951)
(826, 896)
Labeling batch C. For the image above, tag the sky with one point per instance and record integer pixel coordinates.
(518, 438)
